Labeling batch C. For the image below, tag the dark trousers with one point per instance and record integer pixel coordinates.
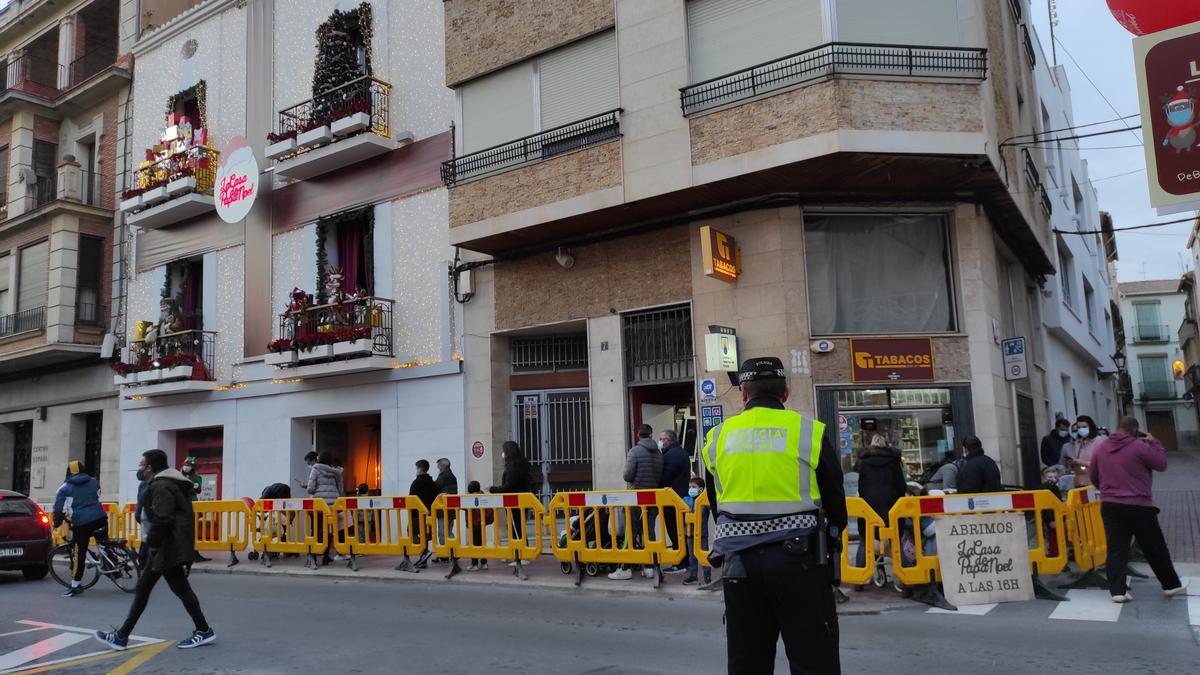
(1122, 524)
(781, 594)
(672, 526)
(177, 579)
(81, 536)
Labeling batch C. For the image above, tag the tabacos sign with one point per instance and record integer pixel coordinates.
(1168, 75)
(720, 254)
(237, 181)
(891, 360)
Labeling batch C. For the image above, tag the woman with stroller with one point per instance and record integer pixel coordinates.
(880, 483)
(325, 482)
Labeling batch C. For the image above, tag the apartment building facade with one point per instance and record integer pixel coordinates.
(645, 191)
(1154, 312)
(319, 316)
(1077, 312)
(65, 78)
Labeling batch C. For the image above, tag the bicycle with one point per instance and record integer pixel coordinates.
(110, 558)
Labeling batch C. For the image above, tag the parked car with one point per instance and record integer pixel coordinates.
(24, 536)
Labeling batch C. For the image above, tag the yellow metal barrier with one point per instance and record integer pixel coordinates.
(1046, 509)
(696, 519)
(222, 526)
(299, 526)
(1085, 529)
(380, 526)
(858, 508)
(621, 527)
(494, 527)
(123, 524)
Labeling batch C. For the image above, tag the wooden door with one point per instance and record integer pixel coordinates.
(1161, 423)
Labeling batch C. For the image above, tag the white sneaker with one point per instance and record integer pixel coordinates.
(1122, 599)
(473, 568)
(1178, 590)
(621, 575)
(647, 573)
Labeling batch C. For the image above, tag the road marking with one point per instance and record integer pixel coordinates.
(18, 632)
(143, 656)
(1087, 605)
(970, 610)
(39, 649)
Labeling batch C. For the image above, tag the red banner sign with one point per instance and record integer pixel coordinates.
(1168, 72)
(891, 360)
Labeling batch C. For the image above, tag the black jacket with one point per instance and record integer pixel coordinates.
(172, 534)
(881, 479)
(1052, 445)
(979, 473)
(447, 483)
(675, 472)
(829, 475)
(515, 478)
(425, 489)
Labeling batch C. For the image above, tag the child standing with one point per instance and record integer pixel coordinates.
(477, 525)
(695, 489)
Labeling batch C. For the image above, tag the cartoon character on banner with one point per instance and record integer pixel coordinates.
(1181, 115)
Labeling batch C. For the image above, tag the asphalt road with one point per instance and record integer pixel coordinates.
(289, 625)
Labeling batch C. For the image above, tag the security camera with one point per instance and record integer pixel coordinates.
(564, 258)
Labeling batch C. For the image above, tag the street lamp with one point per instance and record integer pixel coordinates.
(1119, 360)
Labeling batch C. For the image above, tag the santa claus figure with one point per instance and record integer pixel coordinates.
(1181, 115)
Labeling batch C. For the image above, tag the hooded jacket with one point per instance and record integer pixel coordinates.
(325, 482)
(1052, 447)
(978, 473)
(643, 465)
(1123, 468)
(172, 534)
(881, 479)
(81, 493)
(425, 489)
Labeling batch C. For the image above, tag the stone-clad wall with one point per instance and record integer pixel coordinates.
(484, 35)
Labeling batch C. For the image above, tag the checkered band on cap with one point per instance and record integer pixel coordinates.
(803, 521)
(765, 368)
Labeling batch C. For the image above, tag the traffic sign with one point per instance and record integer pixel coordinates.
(1016, 365)
(708, 390)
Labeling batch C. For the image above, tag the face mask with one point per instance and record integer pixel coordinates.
(141, 475)
(694, 492)
(1062, 433)
(1178, 118)
(1084, 432)
(660, 445)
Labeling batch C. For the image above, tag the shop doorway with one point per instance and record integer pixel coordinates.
(206, 447)
(1031, 461)
(1161, 425)
(554, 427)
(22, 456)
(355, 443)
(660, 372)
(93, 429)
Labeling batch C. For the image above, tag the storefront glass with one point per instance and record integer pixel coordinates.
(918, 422)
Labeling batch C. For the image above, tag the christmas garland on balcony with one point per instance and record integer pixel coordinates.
(199, 91)
(364, 215)
(339, 61)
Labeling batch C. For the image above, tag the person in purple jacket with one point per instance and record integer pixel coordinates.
(1122, 467)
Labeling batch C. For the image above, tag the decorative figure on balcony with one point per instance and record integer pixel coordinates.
(300, 300)
(1181, 115)
(333, 286)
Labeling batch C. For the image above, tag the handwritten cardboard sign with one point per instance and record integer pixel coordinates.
(984, 558)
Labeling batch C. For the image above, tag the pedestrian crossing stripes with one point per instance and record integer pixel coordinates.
(1088, 605)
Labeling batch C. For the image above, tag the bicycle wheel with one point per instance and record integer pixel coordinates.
(125, 569)
(61, 559)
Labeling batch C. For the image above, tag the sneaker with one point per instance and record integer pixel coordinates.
(647, 573)
(512, 563)
(473, 568)
(421, 564)
(483, 565)
(1177, 591)
(675, 569)
(198, 639)
(1122, 599)
(621, 575)
(112, 639)
(73, 591)
(690, 581)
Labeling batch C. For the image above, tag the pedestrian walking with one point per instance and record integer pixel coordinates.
(1053, 442)
(643, 471)
(944, 475)
(880, 483)
(1123, 467)
(447, 484)
(81, 493)
(171, 540)
(978, 472)
(325, 482)
(1078, 454)
(514, 480)
(776, 490)
(426, 490)
(695, 489)
(676, 471)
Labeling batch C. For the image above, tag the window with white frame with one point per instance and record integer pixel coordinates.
(725, 36)
(1066, 275)
(873, 273)
(566, 85)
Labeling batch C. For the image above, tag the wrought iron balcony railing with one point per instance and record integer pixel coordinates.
(39, 81)
(1027, 42)
(23, 322)
(187, 348)
(1031, 170)
(542, 145)
(1191, 379)
(1044, 199)
(1149, 332)
(364, 95)
(196, 167)
(368, 318)
(836, 58)
(1155, 390)
(95, 60)
(83, 187)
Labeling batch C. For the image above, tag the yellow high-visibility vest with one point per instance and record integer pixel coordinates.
(763, 462)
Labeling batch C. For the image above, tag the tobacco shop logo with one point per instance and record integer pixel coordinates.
(867, 360)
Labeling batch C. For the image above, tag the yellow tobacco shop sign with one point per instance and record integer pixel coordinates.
(720, 254)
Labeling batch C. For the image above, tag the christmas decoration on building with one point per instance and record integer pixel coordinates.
(1151, 16)
(183, 159)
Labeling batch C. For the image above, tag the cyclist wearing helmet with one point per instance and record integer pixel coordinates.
(80, 493)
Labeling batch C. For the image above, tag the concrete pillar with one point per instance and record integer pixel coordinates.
(7, 443)
(66, 50)
(611, 435)
(69, 185)
(21, 181)
(64, 270)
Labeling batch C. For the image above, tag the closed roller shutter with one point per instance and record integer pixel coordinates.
(498, 108)
(728, 35)
(33, 281)
(579, 81)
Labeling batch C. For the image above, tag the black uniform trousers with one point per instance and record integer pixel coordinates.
(782, 594)
(1122, 524)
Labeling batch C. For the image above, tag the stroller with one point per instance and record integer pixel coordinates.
(589, 535)
(273, 491)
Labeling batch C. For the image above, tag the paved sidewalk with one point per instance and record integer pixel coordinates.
(1177, 495)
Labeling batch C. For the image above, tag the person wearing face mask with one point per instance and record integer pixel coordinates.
(1053, 442)
(675, 472)
(695, 487)
(1078, 454)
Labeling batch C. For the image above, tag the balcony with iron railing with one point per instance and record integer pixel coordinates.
(835, 59)
(96, 59)
(1191, 380)
(1027, 43)
(1157, 390)
(342, 126)
(33, 84)
(70, 184)
(1150, 332)
(535, 147)
(25, 321)
(337, 338)
(170, 363)
(172, 188)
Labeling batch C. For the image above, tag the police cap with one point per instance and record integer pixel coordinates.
(762, 368)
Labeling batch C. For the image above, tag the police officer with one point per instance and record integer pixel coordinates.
(776, 490)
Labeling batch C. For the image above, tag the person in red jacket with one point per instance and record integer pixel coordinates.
(1123, 467)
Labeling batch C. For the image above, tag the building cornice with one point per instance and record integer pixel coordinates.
(181, 23)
